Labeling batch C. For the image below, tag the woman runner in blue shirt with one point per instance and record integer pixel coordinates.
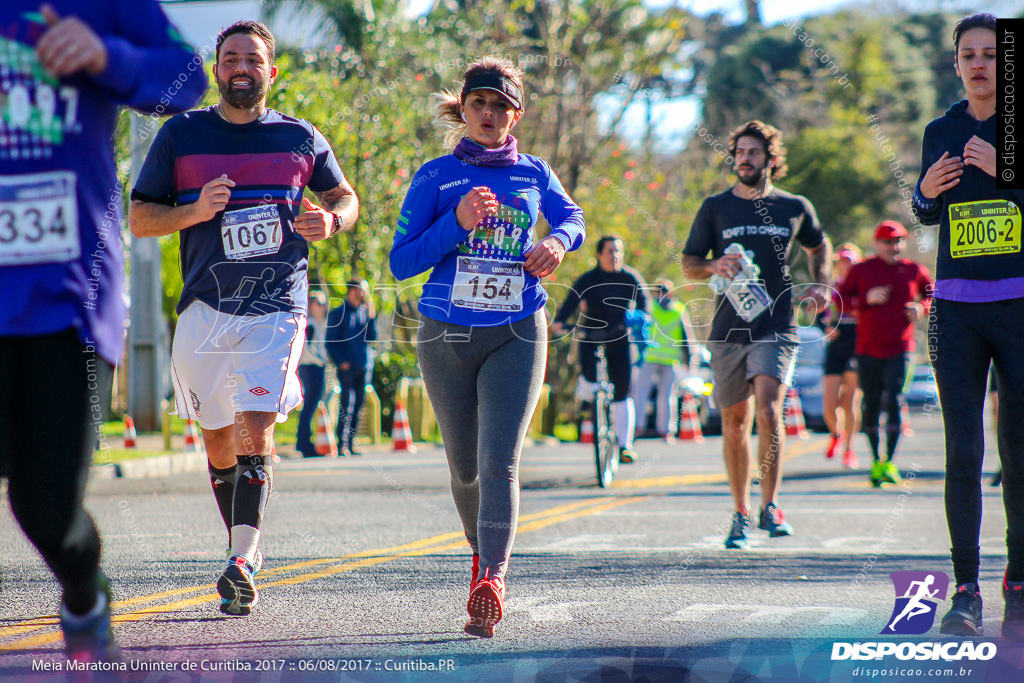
(482, 344)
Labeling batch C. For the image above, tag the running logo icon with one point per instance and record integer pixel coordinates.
(917, 595)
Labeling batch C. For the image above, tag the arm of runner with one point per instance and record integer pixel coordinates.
(154, 219)
(563, 214)
(70, 46)
(146, 65)
(543, 258)
(425, 234)
(819, 261)
(477, 204)
(876, 296)
(316, 223)
(571, 303)
(941, 176)
(698, 268)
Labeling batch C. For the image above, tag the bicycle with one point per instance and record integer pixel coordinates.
(606, 443)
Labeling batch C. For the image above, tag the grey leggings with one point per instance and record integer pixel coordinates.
(484, 383)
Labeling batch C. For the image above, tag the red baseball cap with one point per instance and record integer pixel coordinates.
(888, 230)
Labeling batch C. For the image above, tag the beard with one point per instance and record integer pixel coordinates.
(751, 178)
(242, 99)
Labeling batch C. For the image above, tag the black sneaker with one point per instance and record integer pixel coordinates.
(1013, 612)
(737, 539)
(964, 617)
(773, 521)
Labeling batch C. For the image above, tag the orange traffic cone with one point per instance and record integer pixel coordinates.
(689, 423)
(325, 443)
(587, 430)
(793, 415)
(192, 442)
(129, 432)
(401, 434)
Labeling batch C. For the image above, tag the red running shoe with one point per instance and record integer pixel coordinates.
(485, 605)
(476, 571)
(850, 460)
(833, 444)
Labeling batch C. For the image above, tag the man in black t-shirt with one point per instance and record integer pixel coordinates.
(606, 293)
(753, 339)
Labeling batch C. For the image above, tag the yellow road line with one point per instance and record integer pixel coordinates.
(37, 623)
(795, 451)
(371, 557)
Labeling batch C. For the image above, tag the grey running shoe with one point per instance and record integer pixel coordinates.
(773, 522)
(1013, 612)
(237, 591)
(90, 639)
(737, 538)
(964, 617)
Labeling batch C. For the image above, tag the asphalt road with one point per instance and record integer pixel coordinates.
(367, 572)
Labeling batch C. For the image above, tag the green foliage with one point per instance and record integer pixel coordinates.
(367, 76)
(388, 369)
(837, 167)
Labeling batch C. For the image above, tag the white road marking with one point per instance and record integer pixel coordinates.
(760, 615)
(558, 611)
(592, 542)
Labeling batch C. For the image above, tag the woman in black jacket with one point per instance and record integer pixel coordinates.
(977, 319)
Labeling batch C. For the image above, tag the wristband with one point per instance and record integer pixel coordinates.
(923, 202)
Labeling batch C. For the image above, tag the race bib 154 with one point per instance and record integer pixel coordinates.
(488, 284)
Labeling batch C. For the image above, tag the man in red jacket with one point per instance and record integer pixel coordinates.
(889, 294)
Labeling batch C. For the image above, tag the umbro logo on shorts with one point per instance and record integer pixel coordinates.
(259, 391)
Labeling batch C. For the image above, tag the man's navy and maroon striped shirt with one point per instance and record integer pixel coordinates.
(271, 160)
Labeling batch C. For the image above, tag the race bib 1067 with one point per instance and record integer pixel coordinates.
(488, 285)
(255, 231)
(38, 219)
(984, 228)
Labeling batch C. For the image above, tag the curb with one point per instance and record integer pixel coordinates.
(144, 468)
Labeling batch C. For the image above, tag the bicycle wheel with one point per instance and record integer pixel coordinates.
(606, 449)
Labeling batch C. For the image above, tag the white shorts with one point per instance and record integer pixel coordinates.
(225, 364)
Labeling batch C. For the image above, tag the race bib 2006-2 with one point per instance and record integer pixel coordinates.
(488, 284)
(984, 228)
(38, 219)
(255, 231)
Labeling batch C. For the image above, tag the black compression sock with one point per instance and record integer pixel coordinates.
(253, 482)
(223, 483)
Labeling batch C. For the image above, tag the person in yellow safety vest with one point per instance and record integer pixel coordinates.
(664, 360)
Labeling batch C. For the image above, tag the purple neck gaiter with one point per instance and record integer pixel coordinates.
(472, 152)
